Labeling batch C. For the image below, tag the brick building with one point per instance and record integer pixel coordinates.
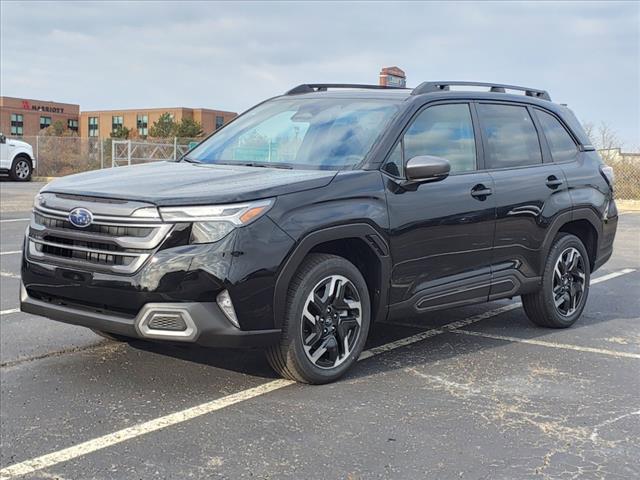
(101, 123)
(393, 77)
(26, 117)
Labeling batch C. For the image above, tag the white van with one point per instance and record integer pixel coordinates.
(16, 159)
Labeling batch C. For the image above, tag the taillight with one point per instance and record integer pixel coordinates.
(607, 173)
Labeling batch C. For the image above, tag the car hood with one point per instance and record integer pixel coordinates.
(182, 183)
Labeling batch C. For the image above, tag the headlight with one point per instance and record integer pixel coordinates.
(213, 222)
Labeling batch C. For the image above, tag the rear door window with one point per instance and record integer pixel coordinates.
(562, 146)
(510, 135)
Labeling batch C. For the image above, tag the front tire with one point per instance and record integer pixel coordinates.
(21, 169)
(326, 321)
(565, 285)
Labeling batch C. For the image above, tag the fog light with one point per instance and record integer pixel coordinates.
(225, 304)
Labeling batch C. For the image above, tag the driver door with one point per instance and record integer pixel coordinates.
(441, 232)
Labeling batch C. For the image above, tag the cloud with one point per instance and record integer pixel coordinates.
(232, 55)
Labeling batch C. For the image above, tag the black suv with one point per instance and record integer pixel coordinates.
(319, 212)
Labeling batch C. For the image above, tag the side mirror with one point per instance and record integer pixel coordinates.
(3, 139)
(426, 168)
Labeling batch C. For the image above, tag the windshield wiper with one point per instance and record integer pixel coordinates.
(190, 160)
(259, 164)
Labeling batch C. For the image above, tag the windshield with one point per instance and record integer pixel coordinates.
(316, 133)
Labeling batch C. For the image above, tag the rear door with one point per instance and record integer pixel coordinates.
(440, 232)
(529, 191)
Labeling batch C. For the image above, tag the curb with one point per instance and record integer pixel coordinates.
(43, 179)
(628, 205)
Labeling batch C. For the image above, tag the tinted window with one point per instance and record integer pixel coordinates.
(443, 131)
(512, 139)
(315, 133)
(561, 144)
(393, 165)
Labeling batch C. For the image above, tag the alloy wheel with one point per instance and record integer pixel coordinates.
(331, 321)
(22, 169)
(568, 281)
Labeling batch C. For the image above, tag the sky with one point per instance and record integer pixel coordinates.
(229, 56)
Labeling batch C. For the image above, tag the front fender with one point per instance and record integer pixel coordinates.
(362, 231)
(20, 150)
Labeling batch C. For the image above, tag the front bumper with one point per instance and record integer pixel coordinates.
(205, 323)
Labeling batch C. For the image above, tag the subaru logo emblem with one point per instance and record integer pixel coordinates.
(80, 217)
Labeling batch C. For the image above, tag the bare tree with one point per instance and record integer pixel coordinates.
(605, 139)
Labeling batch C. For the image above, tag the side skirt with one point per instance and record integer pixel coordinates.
(483, 289)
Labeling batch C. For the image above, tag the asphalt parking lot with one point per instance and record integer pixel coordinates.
(475, 392)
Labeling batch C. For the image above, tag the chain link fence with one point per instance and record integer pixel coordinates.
(60, 156)
(132, 152)
(626, 169)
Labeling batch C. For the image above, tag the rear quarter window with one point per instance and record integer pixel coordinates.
(561, 144)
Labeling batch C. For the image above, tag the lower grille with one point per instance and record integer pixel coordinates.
(173, 322)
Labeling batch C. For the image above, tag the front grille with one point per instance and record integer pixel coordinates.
(111, 230)
(113, 244)
(70, 251)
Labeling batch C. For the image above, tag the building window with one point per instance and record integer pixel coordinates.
(17, 124)
(142, 123)
(45, 122)
(117, 123)
(219, 121)
(93, 126)
(72, 124)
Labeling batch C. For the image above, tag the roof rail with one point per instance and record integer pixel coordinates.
(429, 87)
(322, 87)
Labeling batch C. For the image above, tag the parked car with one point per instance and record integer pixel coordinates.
(16, 159)
(317, 213)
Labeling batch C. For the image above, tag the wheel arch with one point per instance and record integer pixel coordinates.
(24, 155)
(584, 223)
(361, 244)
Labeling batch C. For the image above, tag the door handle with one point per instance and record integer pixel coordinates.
(480, 192)
(553, 182)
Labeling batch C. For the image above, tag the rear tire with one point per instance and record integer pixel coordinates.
(21, 169)
(565, 285)
(326, 321)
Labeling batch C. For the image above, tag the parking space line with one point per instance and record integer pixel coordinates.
(541, 343)
(15, 220)
(11, 252)
(108, 440)
(125, 434)
(9, 275)
(434, 331)
(90, 446)
(612, 275)
(11, 310)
